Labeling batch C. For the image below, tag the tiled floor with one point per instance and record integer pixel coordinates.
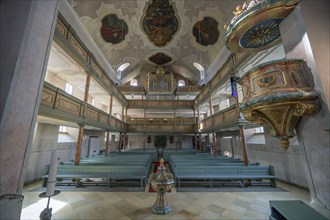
(137, 205)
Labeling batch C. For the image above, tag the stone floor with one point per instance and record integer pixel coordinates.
(137, 205)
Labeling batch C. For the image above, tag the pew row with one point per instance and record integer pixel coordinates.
(228, 173)
(74, 174)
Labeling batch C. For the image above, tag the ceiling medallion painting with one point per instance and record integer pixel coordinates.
(206, 31)
(160, 22)
(160, 59)
(113, 29)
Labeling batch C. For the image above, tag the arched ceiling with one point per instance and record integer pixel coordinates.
(147, 33)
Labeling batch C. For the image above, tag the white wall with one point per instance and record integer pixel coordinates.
(288, 164)
(45, 141)
(136, 142)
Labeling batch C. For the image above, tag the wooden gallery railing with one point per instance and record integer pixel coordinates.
(227, 118)
(161, 125)
(56, 103)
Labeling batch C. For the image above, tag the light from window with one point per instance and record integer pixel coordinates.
(118, 74)
(181, 83)
(63, 129)
(227, 103)
(201, 126)
(134, 82)
(200, 68)
(228, 154)
(259, 130)
(202, 75)
(68, 88)
(121, 68)
(93, 102)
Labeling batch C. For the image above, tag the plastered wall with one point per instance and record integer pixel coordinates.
(45, 141)
(288, 164)
(136, 142)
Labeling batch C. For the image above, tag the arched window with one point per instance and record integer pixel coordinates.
(181, 83)
(134, 82)
(201, 70)
(68, 88)
(121, 68)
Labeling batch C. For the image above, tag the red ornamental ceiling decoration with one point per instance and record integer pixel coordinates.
(113, 29)
(160, 22)
(160, 59)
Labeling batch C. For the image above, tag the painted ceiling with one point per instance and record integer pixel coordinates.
(148, 33)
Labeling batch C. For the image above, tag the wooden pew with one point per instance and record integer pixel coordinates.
(230, 173)
(109, 172)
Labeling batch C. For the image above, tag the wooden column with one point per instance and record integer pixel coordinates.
(244, 148)
(107, 144)
(198, 118)
(174, 120)
(241, 131)
(122, 117)
(211, 117)
(144, 119)
(144, 143)
(195, 137)
(87, 84)
(232, 146)
(198, 126)
(194, 113)
(88, 146)
(176, 142)
(126, 109)
(79, 143)
(219, 146)
(110, 110)
(214, 144)
(195, 128)
(81, 126)
(124, 141)
(120, 141)
(210, 102)
(175, 136)
(200, 142)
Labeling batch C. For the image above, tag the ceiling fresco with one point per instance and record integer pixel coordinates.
(187, 31)
(160, 59)
(113, 30)
(206, 31)
(160, 22)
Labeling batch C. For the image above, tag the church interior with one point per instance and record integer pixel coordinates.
(165, 109)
